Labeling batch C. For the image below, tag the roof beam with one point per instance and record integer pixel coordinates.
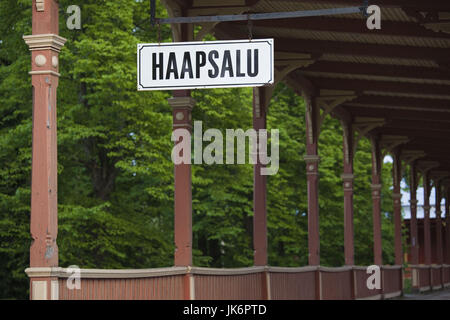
(320, 47)
(361, 49)
(423, 124)
(383, 86)
(356, 26)
(369, 111)
(413, 133)
(379, 70)
(419, 4)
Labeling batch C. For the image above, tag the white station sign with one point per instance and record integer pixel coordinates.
(210, 64)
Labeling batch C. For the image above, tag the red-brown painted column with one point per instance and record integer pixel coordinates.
(44, 45)
(397, 196)
(347, 178)
(182, 105)
(414, 238)
(426, 221)
(439, 250)
(312, 175)
(376, 199)
(259, 184)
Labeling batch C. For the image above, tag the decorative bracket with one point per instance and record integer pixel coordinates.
(439, 176)
(426, 166)
(364, 125)
(285, 63)
(391, 142)
(409, 156)
(330, 99)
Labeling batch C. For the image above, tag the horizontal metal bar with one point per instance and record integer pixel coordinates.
(264, 16)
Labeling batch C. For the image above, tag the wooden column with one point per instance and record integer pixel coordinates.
(45, 45)
(312, 175)
(376, 199)
(426, 221)
(347, 178)
(447, 225)
(259, 183)
(397, 197)
(182, 105)
(439, 249)
(414, 238)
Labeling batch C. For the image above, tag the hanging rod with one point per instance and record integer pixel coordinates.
(263, 16)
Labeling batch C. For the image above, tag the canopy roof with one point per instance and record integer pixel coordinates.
(397, 79)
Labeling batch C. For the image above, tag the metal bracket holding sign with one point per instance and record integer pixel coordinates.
(208, 64)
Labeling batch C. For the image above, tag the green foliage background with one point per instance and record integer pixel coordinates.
(115, 171)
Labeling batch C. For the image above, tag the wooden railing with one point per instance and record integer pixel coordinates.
(360, 283)
(293, 283)
(255, 283)
(432, 277)
(392, 281)
(446, 275)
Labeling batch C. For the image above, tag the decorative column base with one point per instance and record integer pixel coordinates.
(43, 283)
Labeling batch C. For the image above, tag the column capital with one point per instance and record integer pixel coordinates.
(311, 158)
(426, 207)
(375, 187)
(182, 102)
(311, 164)
(347, 177)
(45, 42)
(396, 195)
(413, 202)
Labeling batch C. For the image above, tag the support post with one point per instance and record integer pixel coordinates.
(312, 175)
(347, 178)
(414, 238)
(439, 250)
(259, 182)
(397, 196)
(45, 45)
(182, 105)
(376, 199)
(426, 221)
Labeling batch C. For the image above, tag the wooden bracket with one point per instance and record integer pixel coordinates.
(330, 99)
(174, 10)
(286, 62)
(409, 156)
(439, 176)
(391, 142)
(426, 166)
(364, 125)
(208, 27)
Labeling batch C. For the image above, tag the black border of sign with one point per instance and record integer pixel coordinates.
(206, 86)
